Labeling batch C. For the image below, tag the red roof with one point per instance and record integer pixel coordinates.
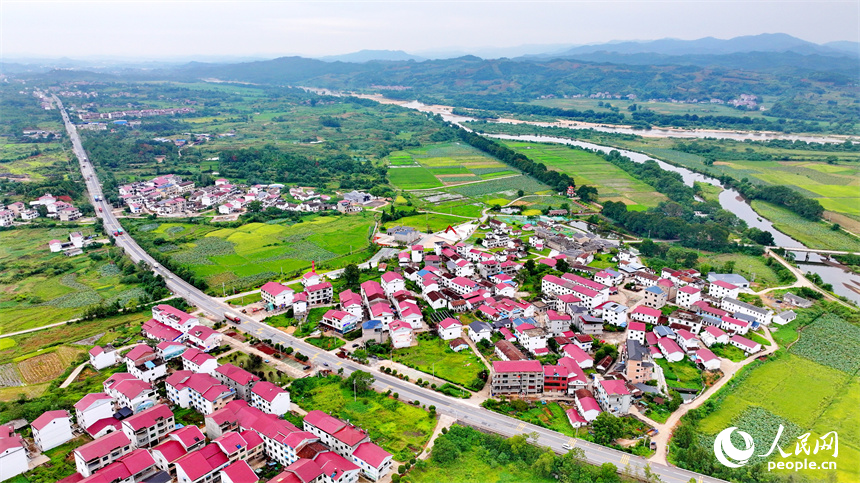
(148, 417)
(203, 461)
(517, 366)
(171, 449)
(389, 277)
(102, 446)
(576, 353)
(202, 332)
(326, 423)
(318, 287)
(584, 282)
(171, 310)
(715, 331)
(240, 472)
(230, 442)
(101, 424)
(275, 288)
(744, 342)
(615, 387)
(638, 326)
(689, 289)
(89, 399)
(449, 322)
(668, 345)
(307, 470)
(188, 436)
(138, 351)
(267, 390)
(574, 417)
(47, 417)
(236, 374)
(96, 351)
(641, 309)
(725, 285)
(705, 355)
(371, 454)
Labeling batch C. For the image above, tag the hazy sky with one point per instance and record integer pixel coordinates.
(161, 29)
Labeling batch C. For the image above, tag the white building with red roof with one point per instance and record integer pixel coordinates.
(13, 453)
(320, 294)
(244, 446)
(340, 321)
(311, 278)
(686, 340)
(52, 429)
(614, 313)
(411, 314)
(101, 357)
(270, 398)
(613, 396)
(204, 338)
(173, 317)
(714, 335)
(101, 452)
(238, 472)
(558, 323)
(587, 405)
(734, 326)
(721, 289)
(707, 359)
(149, 426)
(92, 408)
(129, 391)
(581, 357)
(202, 392)
(351, 302)
(373, 461)
(236, 378)
(166, 454)
(401, 334)
(195, 360)
(153, 329)
(636, 331)
(450, 328)
(744, 344)
(143, 363)
(590, 298)
(279, 295)
(341, 437)
(202, 465)
(670, 349)
(138, 465)
(392, 282)
(688, 295)
(645, 314)
(462, 285)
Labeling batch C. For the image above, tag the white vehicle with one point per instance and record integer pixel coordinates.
(567, 446)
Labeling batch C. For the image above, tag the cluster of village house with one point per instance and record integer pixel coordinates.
(89, 116)
(169, 194)
(59, 208)
(572, 311)
(77, 241)
(136, 438)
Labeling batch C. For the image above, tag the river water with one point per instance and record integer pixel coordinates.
(729, 199)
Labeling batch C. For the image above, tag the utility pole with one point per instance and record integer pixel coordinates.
(223, 290)
(354, 398)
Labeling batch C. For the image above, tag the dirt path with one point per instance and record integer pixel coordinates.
(729, 369)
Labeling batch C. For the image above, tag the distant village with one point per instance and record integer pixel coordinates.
(58, 208)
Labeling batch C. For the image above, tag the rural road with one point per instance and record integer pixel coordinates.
(478, 417)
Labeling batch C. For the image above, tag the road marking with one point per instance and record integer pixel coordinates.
(521, 426)
(625, 459)
(571, 442)
(339, 363)
(315, 356)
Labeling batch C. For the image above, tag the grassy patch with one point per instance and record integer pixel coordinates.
(399, 428)
(422, 221)
(550, 415)
(729, 352)
(458, 367)
(751, 267)
(413, 178)
(816, 234)
(683, 374)
(326, 343)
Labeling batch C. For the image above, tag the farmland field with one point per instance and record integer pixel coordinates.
(612, 183)
(810, 233)
(701, 109)
(252, 254)
(38, 287)
(753, 268)
(413, 178)
(420, 222)
(812, 388)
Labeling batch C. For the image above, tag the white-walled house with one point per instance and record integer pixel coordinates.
(101, 357)
(392, 282)
(13, 453)
(52, 429)
(645, 314)
(714, 335)
(270, 398)
(280, 296)
(450, 329)
(92, 408)
(721, 289)
(687, 296)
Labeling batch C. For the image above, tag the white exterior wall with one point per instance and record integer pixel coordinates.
(54, 434)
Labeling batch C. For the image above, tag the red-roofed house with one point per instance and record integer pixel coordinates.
(320, 294)
(721, 290)
(301, 471)
(238, 472)
(374, 461)
(101, 357)
(392, 282)
(587, 405)
(280, 296)
(575, 419)
(153, 329)
(149, 426)
(707, 359)
(13, 453)
(351, 302)
(613, 396)
(129, 391)
(196, 361)
(517, 377)
(245, 446)
(745, 344)
(92, 408)
(101, 452)
(204, 338)
(166, 454)
(138, 465)
(734, 326)
(143, 363)
(340, 321)
(270, 398)
(201, 391)
(237, 378)
(645, 314)
(52, 429)
(450, 328)
(636, 331)
(336, 468)
(202, 465)
(670, 349)
(173, 317)
(580, 356)
(341, 437)
(688, 295)
(557, 323)
(190, 437)
(686, 340)
(714, 335)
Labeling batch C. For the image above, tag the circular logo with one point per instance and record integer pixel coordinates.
(725, 450)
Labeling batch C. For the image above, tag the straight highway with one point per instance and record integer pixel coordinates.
(466, 413)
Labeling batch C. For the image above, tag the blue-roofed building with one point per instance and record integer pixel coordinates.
(374, 331)
(656, 297)
(663, 331)
(523, 320)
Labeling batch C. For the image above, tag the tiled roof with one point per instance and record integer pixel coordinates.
(102, 446)
(267, 390)
(47, 417)
(517, 366)
(371, 454)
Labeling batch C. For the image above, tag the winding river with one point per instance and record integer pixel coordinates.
(729, 199)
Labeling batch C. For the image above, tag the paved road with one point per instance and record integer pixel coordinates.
(479, 417)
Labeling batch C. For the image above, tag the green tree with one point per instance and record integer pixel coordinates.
(444, 450)
(360, 380)
(351, 275)
(255, 206)
(607, 428)
(562, 266)
(544, 464)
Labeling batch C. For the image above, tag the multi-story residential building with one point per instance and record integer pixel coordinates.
(204, 338)
(130, 392)
(13, 453)
(721, 289)
(638, 365)
(636, 331)
(280, 296)
(613, 396)
(101, 357)
(173, 317)
(101, 452)
(52, 429)
(201, 466)
(517, 377)
(200, 391)
(340, 321)
(270, 398)
(195, 360)
(614, 313)
(320, 294)
(761, 315)
(93, 408)
(148, 427)
(143, 363)
(656, 297)
(688, 295)
(236, 378)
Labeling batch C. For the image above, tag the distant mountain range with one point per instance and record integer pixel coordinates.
(371, 55)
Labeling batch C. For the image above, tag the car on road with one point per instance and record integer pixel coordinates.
(267, 361)
(306, 368)
(567, 446)
(325, 364)
(233, 318)
(354, 346)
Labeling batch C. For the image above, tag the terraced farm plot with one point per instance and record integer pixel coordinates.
(254, 253)
(413, 178)
(504, 187)
(612, 183)
(450, 159)
(38, 287)
(46, 367)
